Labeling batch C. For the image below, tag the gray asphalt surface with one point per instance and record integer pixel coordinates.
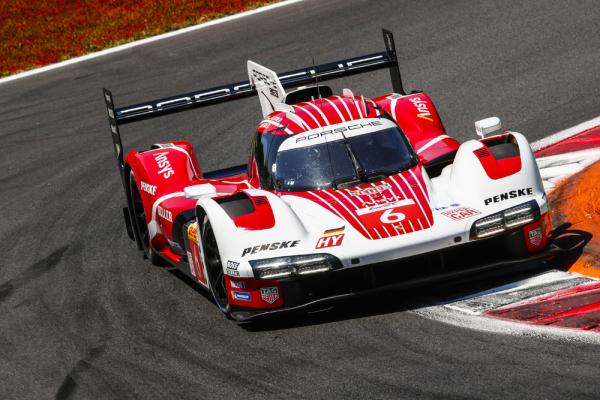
(82, 315)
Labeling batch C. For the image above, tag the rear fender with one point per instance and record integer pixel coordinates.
(417, 116)
(161, 174)
(186, 148)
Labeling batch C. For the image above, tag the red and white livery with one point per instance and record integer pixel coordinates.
(342, 194)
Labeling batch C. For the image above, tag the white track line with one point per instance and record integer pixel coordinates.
(548, 277)
(142, 42)
(558, 167)
(493, 325)
(565, 134)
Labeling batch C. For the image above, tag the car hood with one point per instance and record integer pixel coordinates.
(395, 206)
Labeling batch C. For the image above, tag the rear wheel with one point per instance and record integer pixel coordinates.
(214, 267)
(139, 224)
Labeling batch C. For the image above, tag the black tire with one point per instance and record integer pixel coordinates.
(138, 222)
(214, 267)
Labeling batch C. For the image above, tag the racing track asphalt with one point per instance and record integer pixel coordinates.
(82, 315)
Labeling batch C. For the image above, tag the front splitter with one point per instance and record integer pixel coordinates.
(482, 271)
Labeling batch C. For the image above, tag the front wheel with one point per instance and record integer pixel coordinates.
(214, 267)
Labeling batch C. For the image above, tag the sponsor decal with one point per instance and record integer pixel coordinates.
(193, 233)
(191, 264)
(267, 80)
(371, 190)
(232, 268)
(421, 106)
(445, 207)
(164, 214)
(509, 195)
(194, 258)
(338, 130)
(535, 236)
(164, 165)
(461, 213)
(270, 247)
(148, 188)
(243, 296)
(385, 206)
(237, 284)
(331, 238)
(269, 294)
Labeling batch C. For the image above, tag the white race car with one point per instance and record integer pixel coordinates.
(342, 194)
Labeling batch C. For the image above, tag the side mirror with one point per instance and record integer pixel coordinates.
(486, 126)
(198, 191)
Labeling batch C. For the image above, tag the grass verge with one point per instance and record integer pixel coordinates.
(38, 33)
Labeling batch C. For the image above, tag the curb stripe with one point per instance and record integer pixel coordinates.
(565, 134)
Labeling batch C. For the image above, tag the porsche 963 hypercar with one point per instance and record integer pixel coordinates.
(342, 194)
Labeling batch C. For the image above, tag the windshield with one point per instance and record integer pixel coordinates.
(341, 156)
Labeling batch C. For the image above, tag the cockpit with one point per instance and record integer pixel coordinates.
(336, 156)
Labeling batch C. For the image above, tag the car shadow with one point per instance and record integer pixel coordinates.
(573, 239)
(191, 284)
(391, 302)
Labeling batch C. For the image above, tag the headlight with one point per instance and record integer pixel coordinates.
(504, 220)
(519, 215)
(489, 226)
(282, 267)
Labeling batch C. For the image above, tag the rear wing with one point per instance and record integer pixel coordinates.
(200, 98)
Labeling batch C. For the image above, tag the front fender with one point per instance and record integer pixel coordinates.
(238, 244)
(470, 183)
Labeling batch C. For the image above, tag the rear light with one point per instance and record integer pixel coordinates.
(504, 220)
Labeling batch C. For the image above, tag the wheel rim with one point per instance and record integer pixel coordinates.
(214, 268)
(139, 216)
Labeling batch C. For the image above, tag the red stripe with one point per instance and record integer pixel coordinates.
(587, 139)
(418, 196)
(421, 191)
(309, 118)
(312, 196)
(344, 193)
(345, 106)
(350, 216)
(577, 307)
(418, 173)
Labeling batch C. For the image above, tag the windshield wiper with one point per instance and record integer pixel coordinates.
(358, 169)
